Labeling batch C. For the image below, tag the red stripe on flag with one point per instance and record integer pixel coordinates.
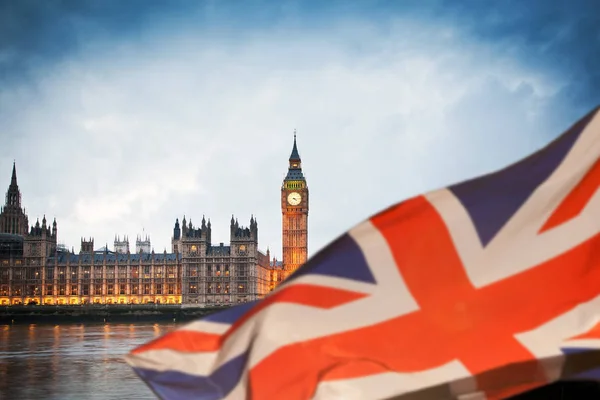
(184, 341)
(576, 201)
(593, 333)
(304, 294)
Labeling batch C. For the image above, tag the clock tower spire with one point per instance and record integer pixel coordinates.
(294, 209)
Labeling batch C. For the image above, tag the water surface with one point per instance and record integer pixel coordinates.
(72, 361)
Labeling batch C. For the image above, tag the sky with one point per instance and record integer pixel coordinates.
(123, 116)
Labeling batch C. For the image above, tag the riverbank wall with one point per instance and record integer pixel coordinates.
(101, 314)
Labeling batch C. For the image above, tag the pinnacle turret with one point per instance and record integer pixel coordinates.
(295, 165)
(295, 156)
(13, 179)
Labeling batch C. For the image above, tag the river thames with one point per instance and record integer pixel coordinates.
(72, 361)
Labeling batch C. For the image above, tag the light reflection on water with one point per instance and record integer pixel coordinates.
(72, 361)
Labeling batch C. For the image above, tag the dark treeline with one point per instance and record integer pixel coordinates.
(100, 313)
(584, 390)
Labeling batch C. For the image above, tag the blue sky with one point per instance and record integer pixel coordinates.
(123, 116)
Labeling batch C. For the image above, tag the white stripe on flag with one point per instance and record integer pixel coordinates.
(546, 341)
(205, 326)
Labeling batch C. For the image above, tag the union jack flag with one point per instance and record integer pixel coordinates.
(481, 290)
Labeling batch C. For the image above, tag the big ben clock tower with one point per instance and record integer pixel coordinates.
(294, 209)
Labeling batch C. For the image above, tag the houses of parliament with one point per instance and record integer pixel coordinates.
(34, 269)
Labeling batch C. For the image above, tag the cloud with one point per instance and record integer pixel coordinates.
(553, 36)
(122, 134)
(550, 35)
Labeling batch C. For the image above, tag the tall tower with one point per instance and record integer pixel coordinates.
(294, 209)
(12, 216)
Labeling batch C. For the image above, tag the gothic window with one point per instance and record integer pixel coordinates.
(147, 288)
(73, 290)
(98, 289)
(62, 290)
(86, 290)
(193, 289)
(49, 273)
(242, 288)
(171, 289)
(48, 290)
(122, 289)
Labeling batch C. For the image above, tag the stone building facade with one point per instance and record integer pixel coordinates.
(35, 269)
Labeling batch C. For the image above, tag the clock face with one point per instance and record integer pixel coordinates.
(294, 198)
